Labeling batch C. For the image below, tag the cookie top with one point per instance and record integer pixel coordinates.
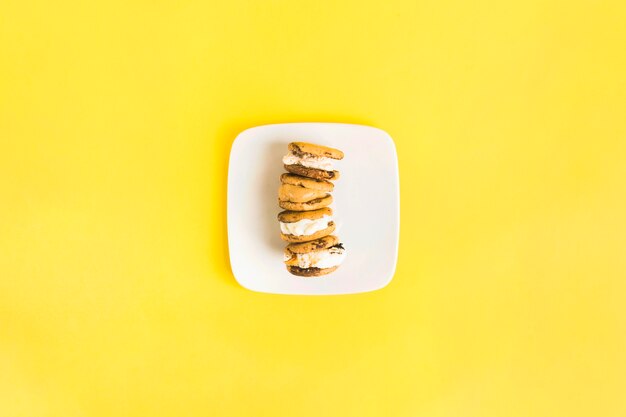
(297, 194)
(306, 182)
(316, 204)
(318, 244)
(295, 216)
(303, 148)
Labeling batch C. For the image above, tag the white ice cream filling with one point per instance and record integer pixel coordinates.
(326, 258)
(305, 227)
(317, 162)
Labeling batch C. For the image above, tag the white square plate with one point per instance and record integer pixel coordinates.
(366, 208)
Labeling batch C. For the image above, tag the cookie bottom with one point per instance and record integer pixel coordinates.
(310, 272)
(318, 174)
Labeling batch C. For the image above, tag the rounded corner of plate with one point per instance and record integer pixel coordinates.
(380, 130)
(245, 286)
(384, 283)
(239, 136)
(391, 142)
(386, 136)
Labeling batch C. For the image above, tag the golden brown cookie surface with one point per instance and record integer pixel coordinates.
(307, 182)
(297, 194)
(318, 244)
(296, 216)
(316, 204)
(304, 148)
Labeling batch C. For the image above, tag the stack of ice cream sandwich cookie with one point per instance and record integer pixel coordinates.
(307, 222)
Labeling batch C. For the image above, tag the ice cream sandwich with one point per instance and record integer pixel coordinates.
(313, 161)
(303, 226)
(315, 258)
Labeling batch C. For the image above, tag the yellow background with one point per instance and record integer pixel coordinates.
(116, 296)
